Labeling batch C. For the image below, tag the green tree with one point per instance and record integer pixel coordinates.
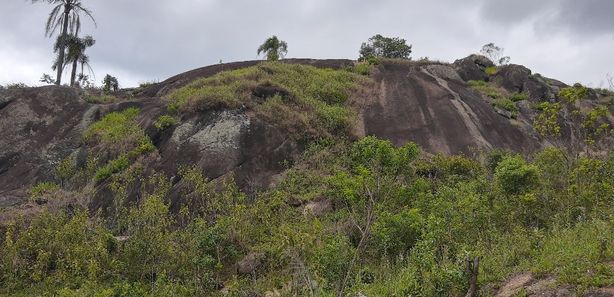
(76, 54)
(379, 46)
(273, 48)
(515, 176)
(110, 83)
(66, 15)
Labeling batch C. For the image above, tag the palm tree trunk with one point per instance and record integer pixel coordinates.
(62, 46)
(73, 74)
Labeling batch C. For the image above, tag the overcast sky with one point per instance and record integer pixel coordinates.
(150, 40)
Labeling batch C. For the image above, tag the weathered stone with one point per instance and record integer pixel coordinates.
(444, 71)
(318, 207)
(473, 67)
(250, 263)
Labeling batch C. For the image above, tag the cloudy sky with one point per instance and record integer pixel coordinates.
(146, 40)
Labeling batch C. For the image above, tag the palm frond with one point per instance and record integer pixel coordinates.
(52, 21)
(87, 12)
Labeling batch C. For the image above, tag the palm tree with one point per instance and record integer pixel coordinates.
(66, 16)
(75, 54)
(273, 48)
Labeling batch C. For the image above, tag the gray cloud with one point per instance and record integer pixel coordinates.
(141, 40)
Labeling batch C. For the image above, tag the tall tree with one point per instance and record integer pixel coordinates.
(273, 48)
(65, 15)
(379, 46)
(75, 54)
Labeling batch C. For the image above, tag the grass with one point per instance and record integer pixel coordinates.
(41, 189)
(363, 68)
(100, 99)
(303, 98)
(115, 127)
(118, 133)
(519, 97)
(492, 70)
(486, 89)
(507, 104)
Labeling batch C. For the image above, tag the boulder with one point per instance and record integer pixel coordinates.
(473, 67)
(519, 79)
(250, 263)
(444, 71)
(318, 207)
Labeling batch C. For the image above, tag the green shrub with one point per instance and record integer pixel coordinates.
(363, 68)
(515, 176)
(114, 166)
(42, 189)
(396, 234)
(546, 122)
(519, 97)
(507, 104)
(572, 94)
(486, 89)
(494, 158)
(164, 121)
(492, 70)
(333, 259)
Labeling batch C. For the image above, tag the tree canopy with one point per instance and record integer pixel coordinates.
(379, 46)
(66, 17)
(273, 48)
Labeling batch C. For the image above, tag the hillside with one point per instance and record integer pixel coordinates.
(310, 177)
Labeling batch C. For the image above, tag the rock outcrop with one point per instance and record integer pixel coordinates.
(428, 103)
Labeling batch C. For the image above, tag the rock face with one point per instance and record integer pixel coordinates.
(228, 141)
(39, 128)
(427, 103)
(439, 113)
(472, 67)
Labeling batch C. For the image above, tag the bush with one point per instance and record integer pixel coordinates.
(507, 104)
(494, 158)
(519, 97)
(485, 89)
(164, 121)
(572, 94)
(546, 122)
(492, 70)
(41, 189)
(363, 68)
(115, 166)
(396, 234)
(515, 176)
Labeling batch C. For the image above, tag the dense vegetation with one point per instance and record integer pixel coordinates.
(400, 223)
(306, 101)
(347, 217)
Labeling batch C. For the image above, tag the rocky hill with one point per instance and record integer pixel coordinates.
(439, 106)
(310, 178)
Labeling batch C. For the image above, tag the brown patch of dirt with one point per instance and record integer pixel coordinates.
(514, 284)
